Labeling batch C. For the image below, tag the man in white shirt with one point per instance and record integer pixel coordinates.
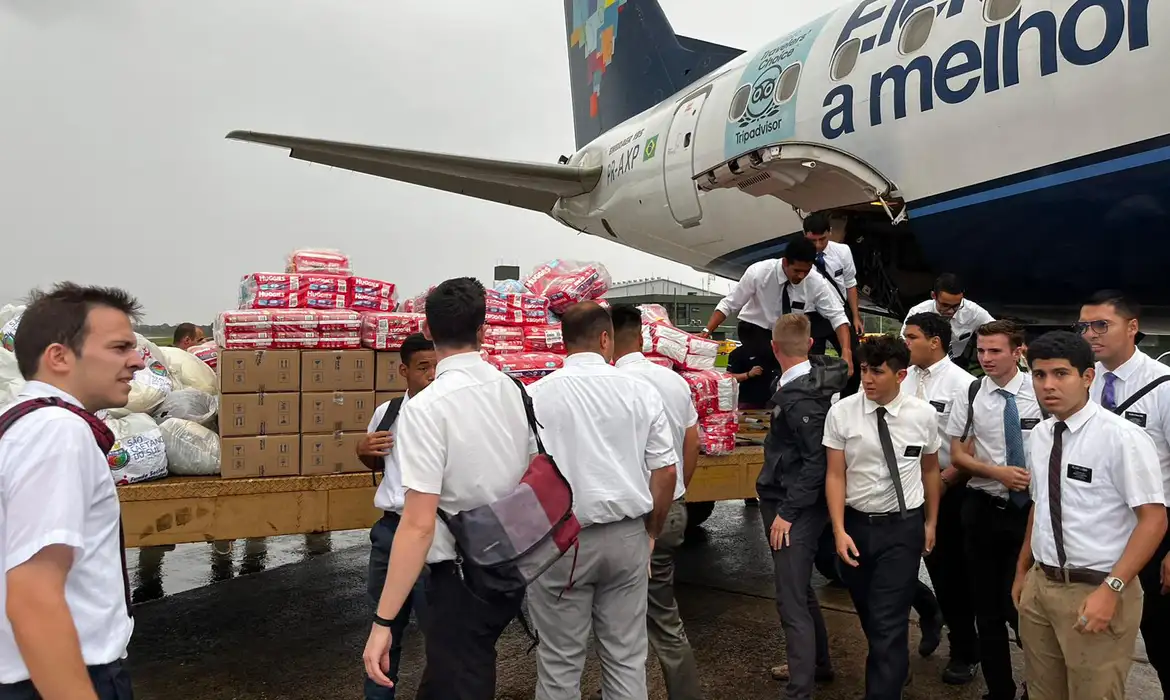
(949, 301)
(934, 378)
(882, 489)
(65, 586)
(1136, 387)
(1100, 515)
(835, 263)
(664, 626)
(463, 443)
(613, 441)
(999, 423)
(377, 451)
(772, 288)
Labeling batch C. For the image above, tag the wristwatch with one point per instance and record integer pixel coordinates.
(1115, 584)
(381, 621)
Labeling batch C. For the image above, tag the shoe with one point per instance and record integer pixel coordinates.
(959, 672)
(780, 673)
(931, 634)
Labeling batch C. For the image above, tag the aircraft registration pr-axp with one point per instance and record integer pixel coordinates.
(1023, 144)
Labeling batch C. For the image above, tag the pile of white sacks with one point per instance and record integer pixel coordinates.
(169, 423)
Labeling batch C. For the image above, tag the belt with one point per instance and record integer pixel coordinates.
(391, 515)
(884, 518)
(1089, 576)
(999, 502)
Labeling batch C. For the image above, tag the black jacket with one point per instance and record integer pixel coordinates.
(794, 458)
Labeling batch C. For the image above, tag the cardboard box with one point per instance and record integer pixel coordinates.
(336, 411)
(388, 377)
(259, 414)
(333, 453)
(383, 396)
(253, 371)
(256, 456)
(337, 370)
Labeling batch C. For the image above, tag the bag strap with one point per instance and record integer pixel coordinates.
(391, 414)
(1142, 392)
(530, 412)
(972, 392)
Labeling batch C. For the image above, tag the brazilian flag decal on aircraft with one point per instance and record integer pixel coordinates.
(651, 148)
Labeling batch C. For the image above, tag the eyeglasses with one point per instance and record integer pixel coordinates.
(948, 307)
(1100, 327)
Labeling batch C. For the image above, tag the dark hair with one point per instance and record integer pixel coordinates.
(949, 283)
(182, 332)
(1013, 330)
(583, 323)
(1062, 345)
(817, 222)
(60, 316)
(414, 343)
(1126, 308)
(933, 326)
(884, 350)
(626, 318)
(455, 312)
(800, 250)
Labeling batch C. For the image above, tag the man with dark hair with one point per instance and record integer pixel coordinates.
(934, 378)
(613, 441)
(882, 488)
(948, 299)
(835, 263)
(792, 502)
(1136, 387)
(377, 451)
(1099, 517)
(461, 444)
(664, 626)
(187, 335)
(66, 590)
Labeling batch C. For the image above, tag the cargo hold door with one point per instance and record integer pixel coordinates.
(678, 165)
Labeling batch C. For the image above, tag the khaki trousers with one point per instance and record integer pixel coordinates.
(1062, 663)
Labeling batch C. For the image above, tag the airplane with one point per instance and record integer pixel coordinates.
(1022, 144)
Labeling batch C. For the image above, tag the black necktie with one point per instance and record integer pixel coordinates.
(1054, 461)
(891, 460)
(785, 302)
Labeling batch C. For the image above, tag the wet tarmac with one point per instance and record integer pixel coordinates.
(287, 618)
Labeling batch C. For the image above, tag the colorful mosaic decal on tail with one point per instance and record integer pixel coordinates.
(595, 25)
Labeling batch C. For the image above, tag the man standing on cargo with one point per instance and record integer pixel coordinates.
(378, 452)
(835, 263)
(663, 624)
(65, 590)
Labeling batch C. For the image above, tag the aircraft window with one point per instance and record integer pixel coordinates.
(845, 59)
(917, 30)
(739, 103)
(789, 79)
(999, 10)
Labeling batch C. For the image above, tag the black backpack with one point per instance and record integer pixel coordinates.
(388, 419)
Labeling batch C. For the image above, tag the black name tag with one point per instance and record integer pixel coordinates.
(914, 451)
(1029, 423)
(839, 273)
(964, 336)
(939, 406)
(798, 304)
(1079, 473)
(1138, 419)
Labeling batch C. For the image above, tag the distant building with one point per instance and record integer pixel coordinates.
(689, 307)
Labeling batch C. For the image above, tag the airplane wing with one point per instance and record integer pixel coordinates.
(535, 186)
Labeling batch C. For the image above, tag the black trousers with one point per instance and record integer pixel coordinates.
(947, 564)
(994, 531)
(381, 541)
(823, 333)
(461, 628)
(806, 639)
(1156, 614)
(110, 681)
(882, 589)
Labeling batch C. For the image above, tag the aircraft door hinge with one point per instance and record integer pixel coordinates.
(894, 219)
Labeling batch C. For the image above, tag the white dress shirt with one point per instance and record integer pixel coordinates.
(758, 296)
(56, 489)
(1108, 467)
(795, 372)
(607, 431)
(1152, 411)
(676, 397)
(390, 495)
(987, 426)
(942, 385)
(842, 273)
(963, 324)
(465, 438)
(852, 426)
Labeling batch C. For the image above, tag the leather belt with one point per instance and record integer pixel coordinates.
(1089, 576)
(883, 518)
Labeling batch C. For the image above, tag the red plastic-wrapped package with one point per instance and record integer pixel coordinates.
(688, 351)
(661, 361)
(531, 365)
(338, 284)
(654, 313)
(513, 300)
(500, 315)
(387, 331)
(544, 338)
(208, 352)
(369, 302)
(323, 321)
(498, 340)
(717, 432)
(318, 260)
(566, 282)
(713, 391)
(417, 304)
(371, 287)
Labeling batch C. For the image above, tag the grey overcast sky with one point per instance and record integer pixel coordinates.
(114, 169)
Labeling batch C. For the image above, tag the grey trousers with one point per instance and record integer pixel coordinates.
(663, 624)
(609, 595)
(805, 636)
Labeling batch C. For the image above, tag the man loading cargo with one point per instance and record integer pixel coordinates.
(771, 288)
(187, 336)
(835, 263)
(377, 451)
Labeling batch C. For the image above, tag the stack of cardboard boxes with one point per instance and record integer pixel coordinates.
(294, 412)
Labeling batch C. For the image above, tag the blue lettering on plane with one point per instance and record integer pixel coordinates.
(955, 75)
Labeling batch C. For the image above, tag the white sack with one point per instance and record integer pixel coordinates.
(192, 450)
(138, 453)
(188, 371)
